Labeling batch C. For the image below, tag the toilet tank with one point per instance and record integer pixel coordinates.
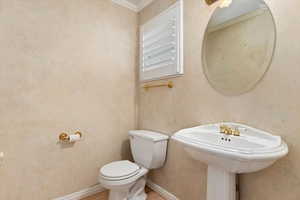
(148, 148)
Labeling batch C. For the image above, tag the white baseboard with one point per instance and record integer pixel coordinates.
(161, 191)
(98, 188)
(83, 193)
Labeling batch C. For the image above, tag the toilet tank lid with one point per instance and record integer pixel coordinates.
(149, 135)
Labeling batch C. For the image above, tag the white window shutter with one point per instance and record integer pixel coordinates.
(161, 45)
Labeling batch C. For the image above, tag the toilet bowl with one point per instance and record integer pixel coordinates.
(126, 180)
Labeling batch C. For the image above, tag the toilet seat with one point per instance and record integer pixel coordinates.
(119, 170)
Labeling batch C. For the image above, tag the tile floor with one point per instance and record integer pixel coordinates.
(104, 196)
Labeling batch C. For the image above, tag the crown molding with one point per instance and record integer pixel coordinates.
(143, 4)
(136, 8)
(127, 4)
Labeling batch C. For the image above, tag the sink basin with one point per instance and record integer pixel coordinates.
(227, 155)
(253, 150)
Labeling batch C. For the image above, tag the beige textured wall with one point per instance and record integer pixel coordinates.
(273, 106)
(65, 65)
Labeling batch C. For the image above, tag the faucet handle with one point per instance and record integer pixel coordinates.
(223, 128)
(236, 132)
(226, 130)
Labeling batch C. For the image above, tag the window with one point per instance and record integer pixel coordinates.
(161, 45)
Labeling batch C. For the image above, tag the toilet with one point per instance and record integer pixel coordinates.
(126, 180)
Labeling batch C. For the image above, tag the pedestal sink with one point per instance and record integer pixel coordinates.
(228, 155)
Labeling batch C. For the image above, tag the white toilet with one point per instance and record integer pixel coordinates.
(126, 180)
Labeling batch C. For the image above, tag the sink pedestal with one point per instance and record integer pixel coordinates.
(221, 184)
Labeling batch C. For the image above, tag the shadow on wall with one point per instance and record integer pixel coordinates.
(126, 151)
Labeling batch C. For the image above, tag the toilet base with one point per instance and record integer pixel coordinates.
(133, 192)
(118, 195)
(137, 192)
(140, 197)
(123, 195)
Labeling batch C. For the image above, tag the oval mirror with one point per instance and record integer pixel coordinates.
(239, 45)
